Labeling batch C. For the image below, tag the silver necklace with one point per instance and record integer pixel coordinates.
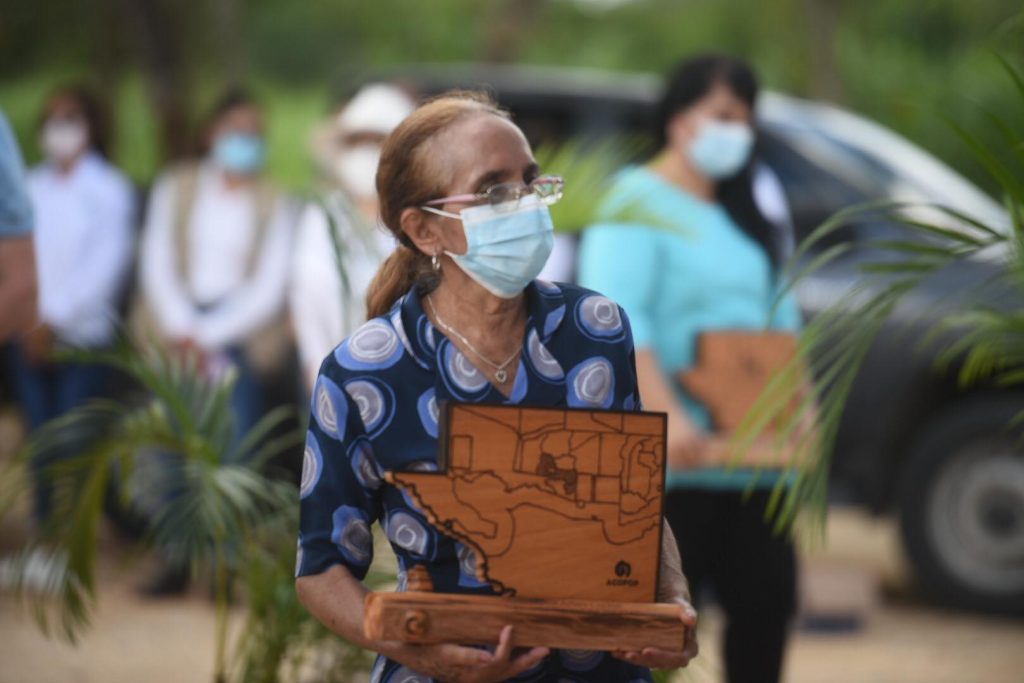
(500, 373)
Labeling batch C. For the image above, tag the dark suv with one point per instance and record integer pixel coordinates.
(911, 441)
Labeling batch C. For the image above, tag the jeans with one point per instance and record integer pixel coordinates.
(248, 399)
(49, 391)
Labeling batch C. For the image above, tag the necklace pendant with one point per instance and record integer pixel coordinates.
(501, 376)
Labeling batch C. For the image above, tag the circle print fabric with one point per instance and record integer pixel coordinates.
(591, 384)
(374, 346)
(351, 533)
(376, 403)
(312, 466)
(330, 409)
(463, 378)
(598, 317)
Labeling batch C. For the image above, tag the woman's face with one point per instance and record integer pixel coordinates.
(470, 157)
(65, 131)
(719, 104)
(237, 143)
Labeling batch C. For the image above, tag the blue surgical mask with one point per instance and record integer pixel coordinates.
(241, 153)
(507, 249)
(721, 148)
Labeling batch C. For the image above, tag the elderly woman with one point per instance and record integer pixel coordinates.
(455, 315)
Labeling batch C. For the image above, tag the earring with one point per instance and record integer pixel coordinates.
(435, 263)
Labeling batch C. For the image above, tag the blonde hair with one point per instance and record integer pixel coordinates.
(404, 179)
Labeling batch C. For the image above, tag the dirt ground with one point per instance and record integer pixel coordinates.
(857, 580)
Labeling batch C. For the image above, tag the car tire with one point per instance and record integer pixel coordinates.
(962, 505)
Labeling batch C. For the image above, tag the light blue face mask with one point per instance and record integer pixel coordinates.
(241, 153)
(721, 148)
(507, 249)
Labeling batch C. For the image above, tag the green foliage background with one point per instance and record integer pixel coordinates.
(905, 63)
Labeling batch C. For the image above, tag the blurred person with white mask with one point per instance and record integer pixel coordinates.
(84, 231)
(215, 254)
(331, 272)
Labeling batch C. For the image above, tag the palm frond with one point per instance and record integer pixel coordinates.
(983, 343)
(172, 450)
(588, 167)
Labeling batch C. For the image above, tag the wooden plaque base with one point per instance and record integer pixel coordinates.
(416, 617)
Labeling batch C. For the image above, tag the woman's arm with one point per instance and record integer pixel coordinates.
(624, 262)
(18, 288)
(672, 583)
(686, 442)
(672, 587)
(336, 598)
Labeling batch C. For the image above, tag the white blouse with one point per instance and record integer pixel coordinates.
(323, 313)
(84, 241)
(217, 303)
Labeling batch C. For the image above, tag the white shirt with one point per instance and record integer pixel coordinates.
(216, 304)
(322, 312)
(84, 242)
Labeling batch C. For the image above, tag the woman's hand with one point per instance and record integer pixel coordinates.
(655, 658)
(37, 345)
(686, 447)
(460, 664)
(336, 599)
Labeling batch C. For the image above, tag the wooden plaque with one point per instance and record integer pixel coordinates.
(563, 511)
(733, 369)
(555, 503)
(419, 617)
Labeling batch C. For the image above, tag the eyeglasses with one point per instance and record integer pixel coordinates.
(505, 196)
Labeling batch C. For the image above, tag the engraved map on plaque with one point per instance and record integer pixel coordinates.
(554, 503)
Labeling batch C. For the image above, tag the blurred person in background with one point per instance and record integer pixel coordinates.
(17, 257)
(84, 232)
(213, 271)
(331, 273)
(681, 244)
(215, 254)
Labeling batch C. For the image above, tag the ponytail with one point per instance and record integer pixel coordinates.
(401, 270)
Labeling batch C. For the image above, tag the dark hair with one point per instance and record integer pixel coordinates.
(96, 116)
(690, 81)
(405, 178)
(232, 98)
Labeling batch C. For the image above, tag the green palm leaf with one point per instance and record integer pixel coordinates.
(172, 446)
(984, 343)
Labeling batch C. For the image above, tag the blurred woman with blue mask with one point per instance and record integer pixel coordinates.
(214, 268)
(215, 254)
(682, 246)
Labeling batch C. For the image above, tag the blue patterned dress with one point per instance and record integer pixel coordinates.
(375, 409)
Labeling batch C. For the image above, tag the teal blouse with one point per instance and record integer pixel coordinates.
(680, 266)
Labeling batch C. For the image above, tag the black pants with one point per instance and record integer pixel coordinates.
(728, 547)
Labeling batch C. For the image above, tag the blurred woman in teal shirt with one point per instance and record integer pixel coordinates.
(681, 245)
